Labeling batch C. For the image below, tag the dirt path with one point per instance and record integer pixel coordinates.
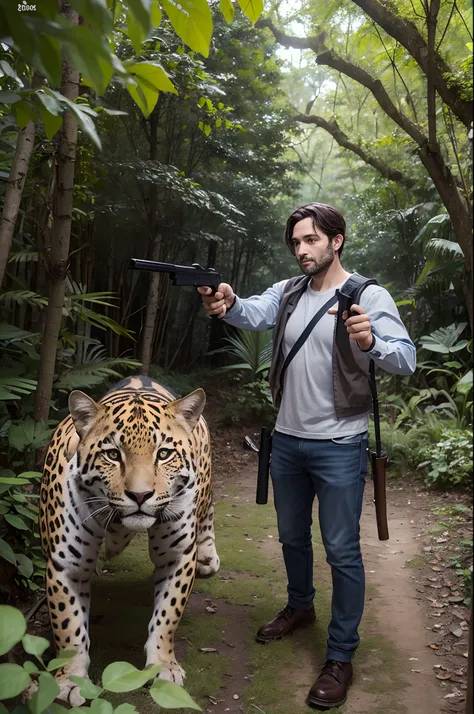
(394, 618)
(394, 603)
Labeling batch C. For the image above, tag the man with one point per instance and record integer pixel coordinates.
(320, 439)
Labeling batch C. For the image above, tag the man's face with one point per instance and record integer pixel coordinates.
(313, 249)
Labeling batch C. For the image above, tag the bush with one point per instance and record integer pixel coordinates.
(116, 677)
(253, 402)
(19, 537)
(449, 461)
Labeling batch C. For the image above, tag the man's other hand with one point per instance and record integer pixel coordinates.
(358, 326)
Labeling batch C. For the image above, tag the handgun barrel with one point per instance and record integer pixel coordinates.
(152, 265)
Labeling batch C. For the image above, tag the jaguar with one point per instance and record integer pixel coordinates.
(136, 461)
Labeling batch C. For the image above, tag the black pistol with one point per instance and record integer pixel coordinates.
(181, 275)
(264, 457)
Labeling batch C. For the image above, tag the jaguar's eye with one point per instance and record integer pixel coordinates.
(113, 454)
(164, 454)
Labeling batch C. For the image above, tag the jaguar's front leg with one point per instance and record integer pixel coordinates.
(68, 577)
(173, 551)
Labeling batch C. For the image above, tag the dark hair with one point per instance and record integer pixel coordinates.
(324, 217)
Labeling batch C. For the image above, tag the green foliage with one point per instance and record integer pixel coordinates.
(449, 462)
(92, 49)
(116, 677)
(252, 349)
(445, 339)
(252, 404)
(20, 543)
(452, 377)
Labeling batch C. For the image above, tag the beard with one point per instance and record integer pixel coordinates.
(321, 264)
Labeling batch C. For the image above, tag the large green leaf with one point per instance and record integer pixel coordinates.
(13, 680)
(171, 696)
(29, 434)
(24, 113)
(11, 333)
(22, 297)
(87, 688)
(95, 372)
(24, 565)
(96, 13)
(141, 11)
(153, 75)
(16, 387)
(35, 645)
(12, 627)
(9, 97)
(52, 124)
(464, 385)
(251, 9)
(45, 695)
(227, 9)
(156, 13)
(192, 22)
(124, 677)
(16, 522)
(135, 33)
(64, 657)
(444, 339)
(7, 553)
(90, 54)
(49, 51)
(143, 97)
(101, 706)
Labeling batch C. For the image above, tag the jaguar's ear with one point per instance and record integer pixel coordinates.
(187, 410)
(83, 410)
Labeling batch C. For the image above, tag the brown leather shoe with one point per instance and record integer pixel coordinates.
(330, 688)
(285, 622)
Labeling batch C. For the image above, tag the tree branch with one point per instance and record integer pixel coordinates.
(407, 34)
(361, 76)
(456, 204)
(432, 9)
(343, 140)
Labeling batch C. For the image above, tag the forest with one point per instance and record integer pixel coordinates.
(187, 133)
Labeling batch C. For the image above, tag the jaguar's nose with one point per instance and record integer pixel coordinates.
(139, 497)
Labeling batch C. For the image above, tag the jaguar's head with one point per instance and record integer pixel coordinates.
(135, 456)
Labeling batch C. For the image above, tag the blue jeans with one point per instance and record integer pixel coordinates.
(334, 470)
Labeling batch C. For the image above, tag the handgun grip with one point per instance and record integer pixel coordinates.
(213, 292)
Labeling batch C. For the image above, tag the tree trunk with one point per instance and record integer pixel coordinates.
(60, 238)
(110, 289)
(151, 311)
(156, 244)
(182, 350)
(13, 191)
(161, 331)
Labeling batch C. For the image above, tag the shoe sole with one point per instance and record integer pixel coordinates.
(319, 704)
(266, 640)
(315, 703)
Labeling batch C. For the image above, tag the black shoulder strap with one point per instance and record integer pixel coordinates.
(305, 334)
(353, 289)
(348, 295)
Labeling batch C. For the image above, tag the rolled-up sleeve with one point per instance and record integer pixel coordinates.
(393, 351)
